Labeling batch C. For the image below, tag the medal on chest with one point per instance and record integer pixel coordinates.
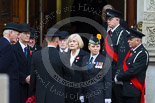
(98, 65)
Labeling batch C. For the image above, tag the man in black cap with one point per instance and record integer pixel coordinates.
(97, 64)
(105, 25)
(42, 84)
(62, 41)
(32, 42)
(8, 62)
(134, 69)
(115, 47)
(24, 60)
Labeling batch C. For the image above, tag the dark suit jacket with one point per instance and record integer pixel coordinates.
(103, 84)
(24, 64)
(43, 85)
(118, 43)
(8, 65)
(137, 66)
(74, 74)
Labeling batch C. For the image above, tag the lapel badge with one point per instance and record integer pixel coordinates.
(77, 58)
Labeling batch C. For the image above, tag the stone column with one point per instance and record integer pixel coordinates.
(4, 88)
(148, 29)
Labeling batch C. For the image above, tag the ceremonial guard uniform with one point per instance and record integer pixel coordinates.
(97, 65)
(134, 70)
(115, 47)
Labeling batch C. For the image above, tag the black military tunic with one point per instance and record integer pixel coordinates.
(117, 41)
(137, 64)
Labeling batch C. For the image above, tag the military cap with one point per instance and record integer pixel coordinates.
(113, 13)
(134, 34)
(94, 40)
(24, 27)
(12, 26)
(53, 32)
(33, 33)
(64, 34)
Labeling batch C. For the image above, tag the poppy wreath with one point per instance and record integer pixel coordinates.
(31, 99)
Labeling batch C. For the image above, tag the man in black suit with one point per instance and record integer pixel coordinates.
(42, 84)
(33, 46)
(133, 73)
(8, 62)
(115, 47)
(24, 61)
(96, 65)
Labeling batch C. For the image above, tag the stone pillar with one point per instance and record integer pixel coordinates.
(4, 88)
(148, 29)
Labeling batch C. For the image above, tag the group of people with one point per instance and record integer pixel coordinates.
(63, 72)
(16, 48)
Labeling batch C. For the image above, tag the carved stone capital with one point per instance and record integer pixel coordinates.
(149, 16)
(149, 5)
(149, 39)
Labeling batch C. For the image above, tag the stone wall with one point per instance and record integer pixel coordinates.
(148, 28)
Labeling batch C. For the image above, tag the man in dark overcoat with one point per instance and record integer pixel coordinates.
(8, 62)
(24, 61)
(46, 69)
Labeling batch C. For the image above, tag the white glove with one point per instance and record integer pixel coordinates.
(107, 100)
(81, 99)
(118, 82)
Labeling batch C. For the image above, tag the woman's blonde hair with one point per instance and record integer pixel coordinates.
(78, 38)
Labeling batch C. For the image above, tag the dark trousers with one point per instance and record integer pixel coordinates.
(117, 93)
(24, 91)
(131, 99)
(98, 98)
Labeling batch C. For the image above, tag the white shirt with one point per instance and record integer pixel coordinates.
(22, 45)
(72, 58)
(94, 57)
(136, 47)
(114, 28)
(51, 46)
(66, 50)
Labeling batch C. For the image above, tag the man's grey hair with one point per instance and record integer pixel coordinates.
(7, 31)
(139, 39)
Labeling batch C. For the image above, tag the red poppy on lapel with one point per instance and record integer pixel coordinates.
(130, 55)
(30, 52)
(77, 57)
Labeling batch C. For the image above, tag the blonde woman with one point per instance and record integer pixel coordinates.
(75, 44)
